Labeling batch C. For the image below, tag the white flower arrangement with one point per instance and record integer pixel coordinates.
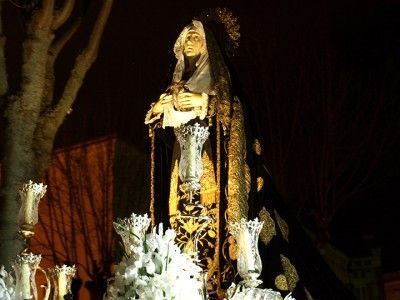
(156, 270)
(7, 285)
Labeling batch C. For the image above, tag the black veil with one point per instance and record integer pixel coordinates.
(291, 263)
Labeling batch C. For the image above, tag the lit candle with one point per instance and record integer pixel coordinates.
(62, 285)
(246, 244)
(62, 277)
(192, 158)
(26, 280)
(28, 206)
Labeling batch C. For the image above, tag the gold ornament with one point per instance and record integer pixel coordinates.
(291, 274)
(281, 283)
(260, 183)
(248, 178)
(268, 231)
(231, 24)
(257, 147)
(232, 248)
(237, 184)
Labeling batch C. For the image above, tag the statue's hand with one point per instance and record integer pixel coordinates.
(187, 100)
(159, 106)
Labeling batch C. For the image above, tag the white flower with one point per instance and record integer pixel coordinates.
(289, 297)
(157, 270)
(150, 267)
(7, 286)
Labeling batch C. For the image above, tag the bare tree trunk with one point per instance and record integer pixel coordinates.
(51, 120)
(22, 114)
(7, 227)
(32, 121)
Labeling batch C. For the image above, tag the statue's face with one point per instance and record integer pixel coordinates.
(193, 44)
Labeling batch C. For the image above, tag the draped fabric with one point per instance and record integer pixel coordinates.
(235, 184)
(200, 81)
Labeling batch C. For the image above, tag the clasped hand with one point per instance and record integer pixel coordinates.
(184, 101)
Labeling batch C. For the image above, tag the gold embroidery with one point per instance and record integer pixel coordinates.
(173, 191)
(290, 272)
(257, 147)
(186, 228)
(230, 23)
(283, 226)
(232, 248)
(281, 282)
(237, 193)
(248, 179)
(208, 198)
(260, 183)
(268, 230)
(215, 273)
(229, 254)
(207, 181)
(223, 97)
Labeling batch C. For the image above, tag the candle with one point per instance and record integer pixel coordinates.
(62, 277)
(192, 158)
(26, 280)
(62, 285)
(28, 206)
(247, 251)
(248, 260)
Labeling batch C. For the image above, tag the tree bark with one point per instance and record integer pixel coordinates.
(32, 123)
(51, 120)
(22, 114)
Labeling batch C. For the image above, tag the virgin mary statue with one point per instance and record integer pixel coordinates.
(207, 169)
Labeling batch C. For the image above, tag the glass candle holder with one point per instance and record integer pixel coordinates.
(25, 267)
(30, 194)
(62, 279)
(191, 139)
(132, 230)
(249, 264)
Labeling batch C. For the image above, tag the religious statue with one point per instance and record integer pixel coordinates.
(206, 163)
(202, 156)
(185, 106)
(187, 97)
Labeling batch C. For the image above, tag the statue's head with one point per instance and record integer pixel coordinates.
(191, 41)
(192, 57)
(193, 44)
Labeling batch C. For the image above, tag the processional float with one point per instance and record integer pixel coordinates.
(152, 259)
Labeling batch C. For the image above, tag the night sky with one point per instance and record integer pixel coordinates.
(293, 56)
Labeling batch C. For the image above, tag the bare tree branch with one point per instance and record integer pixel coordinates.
(62, 14)
(53, 53)
(50, 121)
(95, 37)
(44, 16)
(32, 124)
(59, 43)
(82, 64)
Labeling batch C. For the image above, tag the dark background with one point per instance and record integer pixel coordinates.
(293, 56)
